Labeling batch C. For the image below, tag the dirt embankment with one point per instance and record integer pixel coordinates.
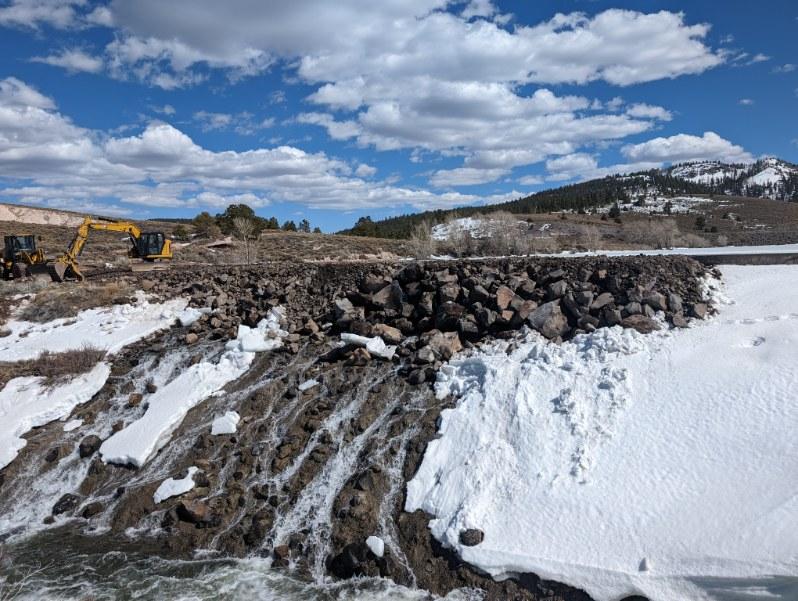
(329, 435)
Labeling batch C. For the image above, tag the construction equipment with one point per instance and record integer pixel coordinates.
(21, 258)
(148, 246)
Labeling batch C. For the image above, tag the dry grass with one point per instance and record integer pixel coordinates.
(67, 300)
(55, 368)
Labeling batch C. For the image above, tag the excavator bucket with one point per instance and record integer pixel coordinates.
(57, 271)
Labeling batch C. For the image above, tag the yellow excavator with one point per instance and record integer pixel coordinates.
(148, 246)
(21, 258)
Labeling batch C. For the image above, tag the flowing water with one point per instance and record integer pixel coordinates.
(45, 568)
(79, 559)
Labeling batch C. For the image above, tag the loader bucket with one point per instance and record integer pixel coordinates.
(40, 272)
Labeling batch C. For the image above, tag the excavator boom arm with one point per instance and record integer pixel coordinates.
(67, 263)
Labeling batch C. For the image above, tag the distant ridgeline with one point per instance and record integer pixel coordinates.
(767, 178)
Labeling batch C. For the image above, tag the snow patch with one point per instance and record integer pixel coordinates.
(307, 385)
(173, 488)
(614, 462)
(226, 424)
(73, 424)
(26, 403)
(107, 328)
(138, 442)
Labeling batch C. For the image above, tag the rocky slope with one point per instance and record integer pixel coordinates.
(330, 432)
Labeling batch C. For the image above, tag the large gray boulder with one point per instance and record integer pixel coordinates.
(548, 319)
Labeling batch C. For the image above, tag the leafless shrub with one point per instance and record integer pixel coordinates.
(67, 300)
(14, 589)
(421, 243)
(590, 237)
(544, 245)
(654, 233)
(56, 367)
(692, 241)
(723, 240)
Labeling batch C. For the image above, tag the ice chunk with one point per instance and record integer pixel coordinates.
(188, 316)
(172, 488)
(226, 424)
(375, 346)
(376, 545)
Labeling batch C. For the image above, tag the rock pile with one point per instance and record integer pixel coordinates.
(431, 310)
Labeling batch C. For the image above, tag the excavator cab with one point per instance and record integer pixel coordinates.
(150, 246)
(20, 256)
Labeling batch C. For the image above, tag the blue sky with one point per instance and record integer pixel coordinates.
(333, 110)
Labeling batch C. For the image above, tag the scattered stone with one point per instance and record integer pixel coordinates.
(92, 509)
(67, 502)
(641, 323)
(89, 446)
(471, 537)
(698, 310)
(388, 333)
(503, 297)
(602, 300)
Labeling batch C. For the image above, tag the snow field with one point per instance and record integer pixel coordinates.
(663, 465)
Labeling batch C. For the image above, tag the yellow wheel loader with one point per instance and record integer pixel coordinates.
(148, 246)
(21, 258)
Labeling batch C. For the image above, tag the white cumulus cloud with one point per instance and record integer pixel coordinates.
(685, 147)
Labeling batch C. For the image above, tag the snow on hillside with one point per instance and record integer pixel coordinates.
(775, 172)
(657, 204)
(660, 465)
(475, 226)
(706, 172)
(767, 177)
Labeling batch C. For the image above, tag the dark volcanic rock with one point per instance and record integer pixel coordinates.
(549, 320)
(471, 537)
(66, 503)
(89, 446)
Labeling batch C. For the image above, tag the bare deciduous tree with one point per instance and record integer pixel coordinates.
(245, 228)
(422, 244)
(590, 237)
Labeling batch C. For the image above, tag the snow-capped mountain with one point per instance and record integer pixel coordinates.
(767, 178)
